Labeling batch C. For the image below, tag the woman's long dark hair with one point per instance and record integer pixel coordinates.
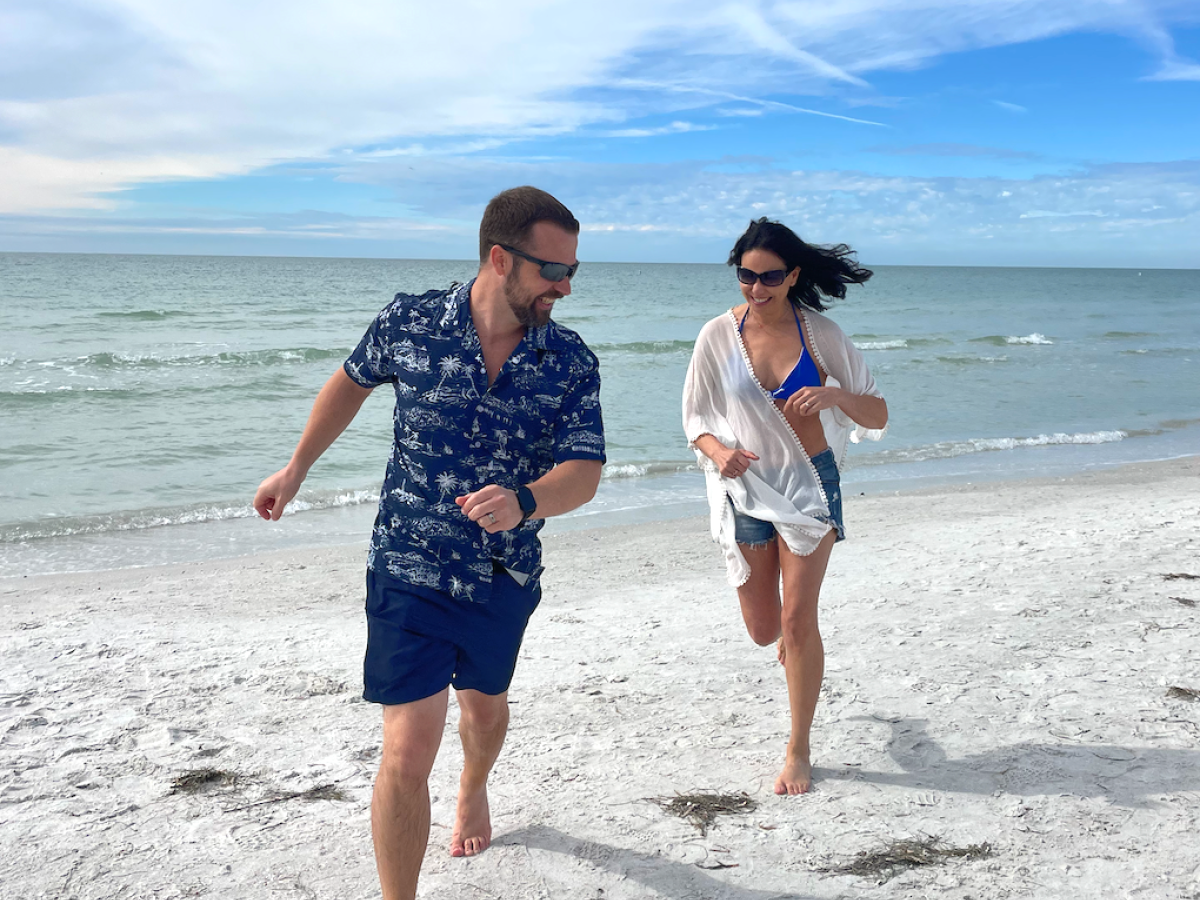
(824, 271)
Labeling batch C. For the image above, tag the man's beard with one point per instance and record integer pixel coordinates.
(526, 311)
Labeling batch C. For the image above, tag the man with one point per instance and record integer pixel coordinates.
(497, 427)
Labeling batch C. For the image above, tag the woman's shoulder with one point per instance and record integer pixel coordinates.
(821, 325)
(718, 324)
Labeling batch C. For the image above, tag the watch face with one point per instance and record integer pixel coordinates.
(526, 500)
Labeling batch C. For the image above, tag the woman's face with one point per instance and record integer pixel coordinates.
(758, 295)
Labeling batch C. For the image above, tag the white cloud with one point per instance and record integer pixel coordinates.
(673, 128)
(146, 89)
(36, 183)
(1131, 214)
(1175, 69)
(1011, 107)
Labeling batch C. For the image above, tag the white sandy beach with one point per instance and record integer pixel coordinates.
(999, 662)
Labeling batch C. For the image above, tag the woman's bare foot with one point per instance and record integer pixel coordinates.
(472, 824)
(796, 777)
(781, 652)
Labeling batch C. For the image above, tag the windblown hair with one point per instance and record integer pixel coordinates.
(511, 214)
(824, 271)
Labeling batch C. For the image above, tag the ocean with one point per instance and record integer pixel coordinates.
(143, 398)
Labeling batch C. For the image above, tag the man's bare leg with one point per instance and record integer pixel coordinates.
(482, 726)
(412, 733)
(803, 656)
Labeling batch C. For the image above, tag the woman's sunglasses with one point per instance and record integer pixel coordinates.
(551, 271)
(774, 278)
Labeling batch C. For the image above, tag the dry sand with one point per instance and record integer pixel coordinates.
(1000, 666)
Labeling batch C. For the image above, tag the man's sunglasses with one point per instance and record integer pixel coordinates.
(774, 278)
(551, 271)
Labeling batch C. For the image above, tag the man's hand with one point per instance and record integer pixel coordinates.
(275, 493)
(492, 507)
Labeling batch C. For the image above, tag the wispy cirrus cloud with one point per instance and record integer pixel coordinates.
(954, 150)
(108, 93)
(673, 128)
(1127, 214)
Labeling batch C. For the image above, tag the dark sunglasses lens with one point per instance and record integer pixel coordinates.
(774, 278)
(557, 271)
(745, 276)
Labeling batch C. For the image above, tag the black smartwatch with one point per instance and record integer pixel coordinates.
(527, 502)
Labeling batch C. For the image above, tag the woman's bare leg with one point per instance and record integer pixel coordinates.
(759, 596)
(803, 657)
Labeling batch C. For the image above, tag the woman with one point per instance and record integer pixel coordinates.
(771, 394)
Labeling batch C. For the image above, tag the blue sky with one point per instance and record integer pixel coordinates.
(989, 132)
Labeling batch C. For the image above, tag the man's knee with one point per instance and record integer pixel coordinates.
(406, 763)
(482, 712)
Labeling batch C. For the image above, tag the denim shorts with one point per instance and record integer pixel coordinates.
(420, 640)
(752, 531)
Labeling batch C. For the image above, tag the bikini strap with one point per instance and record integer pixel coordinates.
(742, 324)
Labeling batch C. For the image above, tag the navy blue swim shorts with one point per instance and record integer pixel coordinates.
(420, 640)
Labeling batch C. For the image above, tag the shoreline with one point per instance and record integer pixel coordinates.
(622, 503)
(1000, 664)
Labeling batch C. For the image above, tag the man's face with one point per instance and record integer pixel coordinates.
(530, 296)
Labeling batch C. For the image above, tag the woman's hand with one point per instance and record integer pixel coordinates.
(729, 462)
(808, 401)
(863, 409)
(733, 463)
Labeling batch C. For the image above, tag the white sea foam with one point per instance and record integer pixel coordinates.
(641, 470)
(1034, 338)
(139, 520)
(882, 345)
(947, 449)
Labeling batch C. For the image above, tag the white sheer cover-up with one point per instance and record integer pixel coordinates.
(722, 397)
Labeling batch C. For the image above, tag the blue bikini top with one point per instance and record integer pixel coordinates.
(803, 374)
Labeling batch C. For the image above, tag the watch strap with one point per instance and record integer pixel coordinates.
(527, 502)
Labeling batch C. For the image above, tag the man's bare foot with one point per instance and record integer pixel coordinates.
(472, 824)
(796, 777)
(781, 652)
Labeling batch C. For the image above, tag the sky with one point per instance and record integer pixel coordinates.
(974, 132)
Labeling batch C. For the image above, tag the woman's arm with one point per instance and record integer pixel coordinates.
(863, 409)
(730, 462)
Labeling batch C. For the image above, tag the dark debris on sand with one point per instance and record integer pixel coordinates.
(196, 781)
(320, 792)
(900, 856)
(1180, 576)
(1184, 601)
(703, 807)
(1182, 693)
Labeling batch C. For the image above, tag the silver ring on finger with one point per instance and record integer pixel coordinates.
(491, 518)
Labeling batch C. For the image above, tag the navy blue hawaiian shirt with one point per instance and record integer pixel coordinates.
(454, 434)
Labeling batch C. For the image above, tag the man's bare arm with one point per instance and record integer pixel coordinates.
(335, 407)
(567, 486)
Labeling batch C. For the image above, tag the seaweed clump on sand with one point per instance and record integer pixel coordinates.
(319, 792)
(196, 781)
(703, 807)
(900, 856)
(1182, 693)
(1180, 576)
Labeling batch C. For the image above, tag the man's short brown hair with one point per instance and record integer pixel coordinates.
(511, 214)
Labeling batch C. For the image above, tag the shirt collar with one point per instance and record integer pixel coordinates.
(456, 317)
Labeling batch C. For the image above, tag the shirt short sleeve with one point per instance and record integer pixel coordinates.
(580, 429)
(369, 365)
